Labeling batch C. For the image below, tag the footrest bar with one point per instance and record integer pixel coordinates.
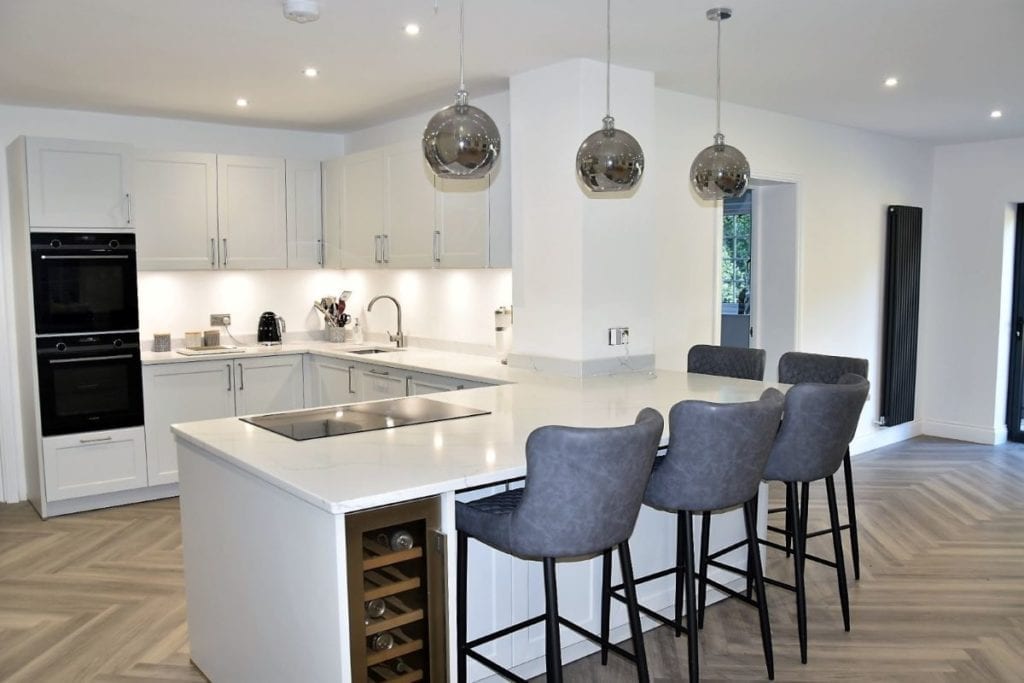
(508, 630)
(593, 637)
(727, 549)
(495, 667)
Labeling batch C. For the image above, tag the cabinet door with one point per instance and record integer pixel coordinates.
(305, 217)
(332, 173)
(92, 463)
(378, 383)
(362, 209)
(251, 212)
(181, 392)
(409, 240)
(463, 221)
(176, 210)
(77, 184)
(268, 385)
(332, 382)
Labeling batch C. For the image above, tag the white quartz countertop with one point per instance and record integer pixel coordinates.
(357, 471)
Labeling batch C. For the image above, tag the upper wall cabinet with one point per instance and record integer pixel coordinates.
(176, 210)
(363, 180)
(251, 211)
(76, 184)
(462, 217)
(305, 214)
(409, 239)
(332, 178)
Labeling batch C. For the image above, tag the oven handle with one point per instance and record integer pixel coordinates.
(119, 356)
(120, 257)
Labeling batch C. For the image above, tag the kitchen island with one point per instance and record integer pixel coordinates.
(264, 522)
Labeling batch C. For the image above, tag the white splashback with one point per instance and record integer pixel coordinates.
(445, 305)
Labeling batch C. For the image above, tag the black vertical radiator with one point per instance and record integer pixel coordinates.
(902, 304)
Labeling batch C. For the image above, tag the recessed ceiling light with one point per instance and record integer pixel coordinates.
(892, 82)
(411, 29)
(241, 102)
(996, 114)
(311, 72)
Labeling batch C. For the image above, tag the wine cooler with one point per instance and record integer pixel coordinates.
(396, 578)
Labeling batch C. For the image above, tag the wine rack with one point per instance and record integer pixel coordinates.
(396, 565)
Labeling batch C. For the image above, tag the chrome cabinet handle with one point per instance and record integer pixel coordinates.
(319, 252)
(408, 380)
(229, 376)
(98, 440)
(128, 196)
(350, 389)
(437, 246)
(379, 372)
(241, 377)
(386, 251)
(213, 251)
(224, 256)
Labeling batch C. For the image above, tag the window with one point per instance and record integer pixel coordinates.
(736, 239)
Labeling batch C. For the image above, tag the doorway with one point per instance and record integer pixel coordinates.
(1015, 390)
(737, 255)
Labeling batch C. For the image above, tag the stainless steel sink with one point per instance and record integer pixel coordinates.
(364, 352)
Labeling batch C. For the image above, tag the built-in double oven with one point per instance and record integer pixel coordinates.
(87, 339)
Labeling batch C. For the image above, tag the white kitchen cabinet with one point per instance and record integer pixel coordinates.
(363, 187)
(332, 176)
(94, 463)
(268, 384)
(424, 383)
(181, 392)
(176, 210)
(409, 235)
(251, 212)
(330, 382)
(377, 382)
(463, 221)
(305, 214)
(78, 184)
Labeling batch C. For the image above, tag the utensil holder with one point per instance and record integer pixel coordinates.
(336, 334)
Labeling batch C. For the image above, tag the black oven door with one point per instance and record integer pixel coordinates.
(84, 282)
(89, 383)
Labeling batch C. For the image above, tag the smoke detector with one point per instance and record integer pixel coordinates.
(301, 11)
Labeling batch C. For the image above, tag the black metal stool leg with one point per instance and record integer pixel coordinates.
(800, 529)
(635, 630)
(750, 517)
(705, 540)
(691, 599)
(851, 511)
(789, 529)
(553, 646)
(606, 599)
(837, 546)
(461, 575)
(680, 568)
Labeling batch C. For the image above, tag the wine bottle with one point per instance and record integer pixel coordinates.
(382, 641)
(401, 540)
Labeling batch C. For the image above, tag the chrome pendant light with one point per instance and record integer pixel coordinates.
(461, 141)
(720, 170)
(609, 160)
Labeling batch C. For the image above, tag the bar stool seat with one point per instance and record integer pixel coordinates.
(581, 498)
(726, 361)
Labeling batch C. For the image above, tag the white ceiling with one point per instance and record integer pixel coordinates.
(822, 59)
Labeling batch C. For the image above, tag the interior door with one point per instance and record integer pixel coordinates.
(410, 199)
(1015, 391)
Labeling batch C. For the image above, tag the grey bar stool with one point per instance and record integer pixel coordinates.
(819, 421)
(583, 491)
(726, 361)
(716, 457)
(796, 367)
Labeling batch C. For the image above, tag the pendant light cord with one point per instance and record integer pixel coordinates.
(462, 44)
(718, 80)
(608, 65)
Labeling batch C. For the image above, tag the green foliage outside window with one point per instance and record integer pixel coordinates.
(736, 258)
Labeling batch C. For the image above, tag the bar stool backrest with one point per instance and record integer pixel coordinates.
(796, 367)
(716, 453)
(818, 423)
(584, 487)
(726, 361)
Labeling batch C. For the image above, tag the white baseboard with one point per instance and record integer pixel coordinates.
(885, 436)
(989, 435)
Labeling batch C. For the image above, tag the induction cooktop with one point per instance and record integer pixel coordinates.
(360, 417)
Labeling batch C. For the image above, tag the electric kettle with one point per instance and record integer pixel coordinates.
(270, 330)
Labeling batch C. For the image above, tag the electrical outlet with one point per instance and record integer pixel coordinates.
(222, 319)
(618, 336)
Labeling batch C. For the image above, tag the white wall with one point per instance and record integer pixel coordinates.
(968, 272)
(845, 179)
(776, 245)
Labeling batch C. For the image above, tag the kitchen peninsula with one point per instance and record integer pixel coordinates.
(264, 521)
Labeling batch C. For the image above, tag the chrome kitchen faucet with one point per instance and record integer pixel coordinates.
(398, 338)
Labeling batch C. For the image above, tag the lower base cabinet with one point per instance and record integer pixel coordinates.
(94, 463)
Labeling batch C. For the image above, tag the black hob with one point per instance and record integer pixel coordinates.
(360, 417)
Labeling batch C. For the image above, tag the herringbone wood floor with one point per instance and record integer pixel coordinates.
(98, 596)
